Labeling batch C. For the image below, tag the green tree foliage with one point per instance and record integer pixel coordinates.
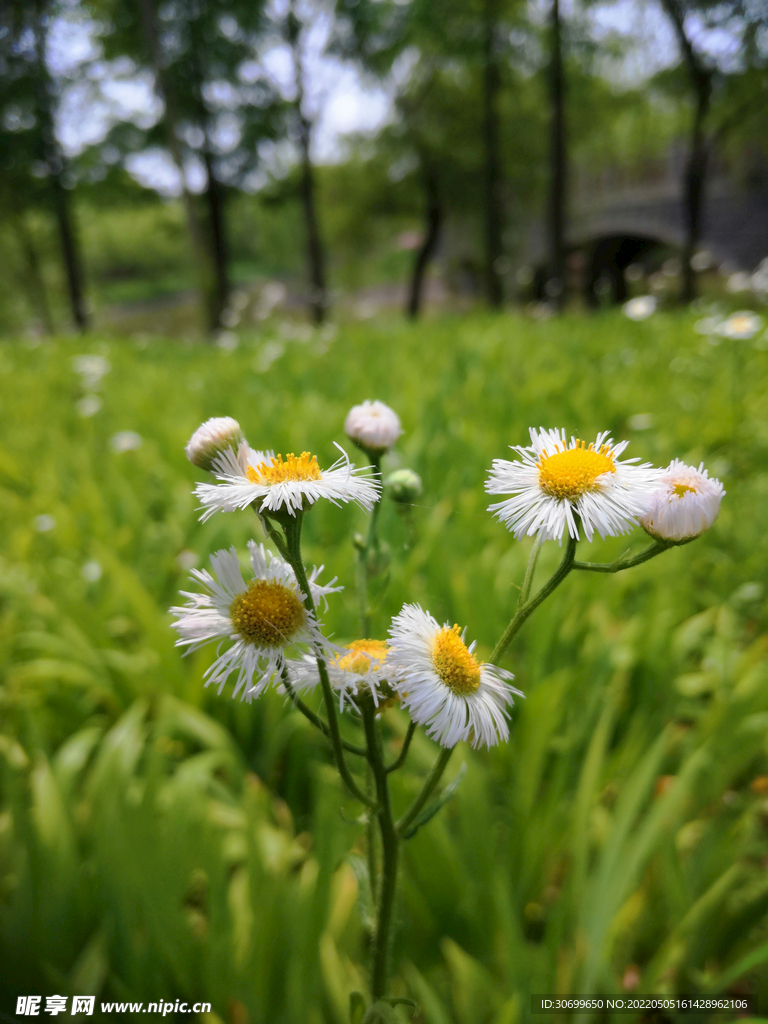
(219, 109)
(34, 171)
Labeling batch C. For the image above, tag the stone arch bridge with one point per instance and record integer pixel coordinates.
(611, 227)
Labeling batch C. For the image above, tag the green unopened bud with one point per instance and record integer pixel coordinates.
(403, 486)
(212, 439)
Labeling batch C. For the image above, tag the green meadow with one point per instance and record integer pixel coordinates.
(161, 841)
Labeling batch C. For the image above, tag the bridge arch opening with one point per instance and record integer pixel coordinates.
(606, 259)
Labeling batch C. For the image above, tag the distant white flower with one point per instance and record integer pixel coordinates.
(228, 341)
(91, 369)
(640, 308)
(264, 618)
(740, 326)
(443, 685)
(558, 484)
(685, 504)
(125, 441)
(88, 406)
(292, 483)
(361, 667)
(707, 325)
(210, 440)
(187, 559)
(44, 523)
(91, 571)
(641, 421)
(738, 282)
(373, 426)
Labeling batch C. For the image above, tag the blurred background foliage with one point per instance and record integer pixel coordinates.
(160, 841)
(186, 172)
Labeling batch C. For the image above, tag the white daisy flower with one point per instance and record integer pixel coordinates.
(373, 426)
(443, 685)
(686, 503)
(740, 326)
(561, 483)
(215, 436)
(264, 617)
(361, 667)
(274, 482)
(641, 307)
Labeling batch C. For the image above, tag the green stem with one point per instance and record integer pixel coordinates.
(363, 553)
(427, 789)
(273, 534)
(530, 570)
(293, 556)
(310, 715)
(390, 845)
(627, 563)
(404, 752)
(530, 606)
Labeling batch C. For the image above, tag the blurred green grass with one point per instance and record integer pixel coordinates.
(155, 838)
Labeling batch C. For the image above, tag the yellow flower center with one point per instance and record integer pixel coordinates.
(681, 489)
(302, 467)
(363, 655)
(268, 614)
(457, 667)
(572, 472)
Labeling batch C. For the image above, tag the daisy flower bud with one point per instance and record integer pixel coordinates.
(403, 486)
(212, 439)
(685, 504)
(373, 426)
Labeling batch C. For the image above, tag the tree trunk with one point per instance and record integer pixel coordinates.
(69, 251)
(694, 181)
(558, 169)
(694, 177)
(318, 300)
(54, 159)
(215, 200)
(37, 289)
(493, 218)
(200, 251)
(433, 221)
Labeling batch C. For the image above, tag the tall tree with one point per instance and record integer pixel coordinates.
(558, 157)
(218, 106)
(700, 77)
(28, 140)
(719, 103)
(492, 169)
(318, 299)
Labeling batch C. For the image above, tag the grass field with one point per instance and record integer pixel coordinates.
(160, 842)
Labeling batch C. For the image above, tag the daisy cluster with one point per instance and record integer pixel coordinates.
(265, 618)
(560, 484)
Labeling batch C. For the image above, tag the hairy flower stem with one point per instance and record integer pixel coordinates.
(404, 751)
(627, 563)
(530, 606)
(292, 526)
(427, 790)
(390, 846)
(530, 570)
(310, 715)
(364, 551)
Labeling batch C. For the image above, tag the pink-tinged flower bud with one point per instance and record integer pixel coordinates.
(373, 426)
(685, 504)
(212, 439)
